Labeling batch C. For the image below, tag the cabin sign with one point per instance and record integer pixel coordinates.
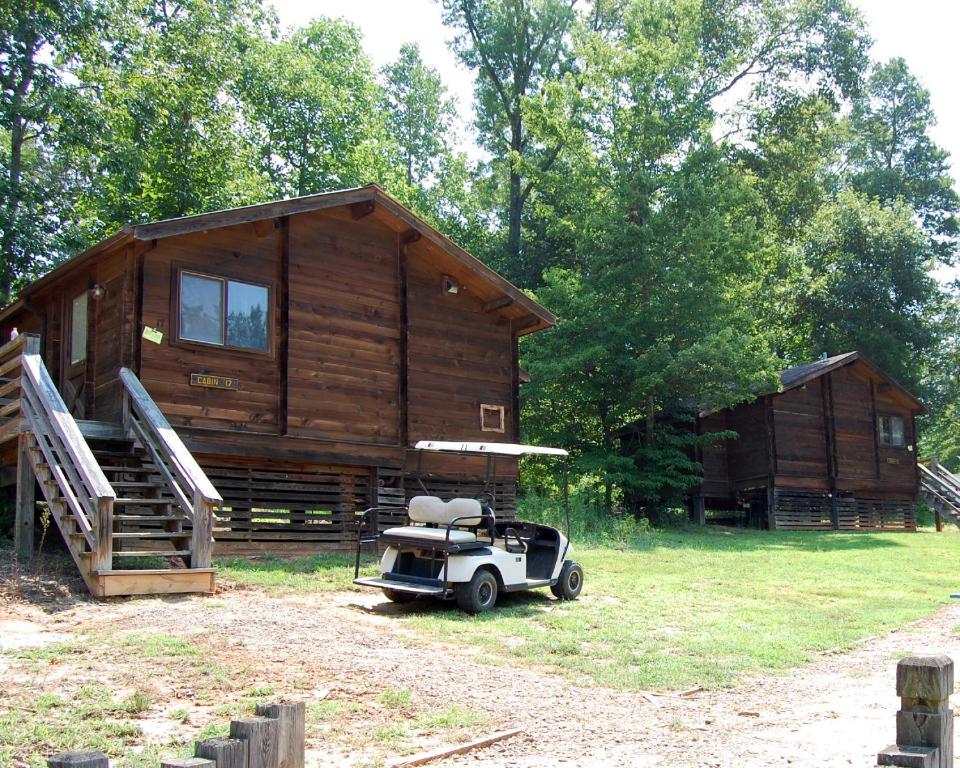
(214, 382)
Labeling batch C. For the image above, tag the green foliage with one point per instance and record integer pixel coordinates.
(868, 284)
(702, 192)
(310, 99)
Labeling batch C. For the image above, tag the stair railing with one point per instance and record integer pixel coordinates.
(80, 480)
(940, 477)
(180, 471)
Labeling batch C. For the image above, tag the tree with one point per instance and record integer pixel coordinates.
(36, 37)
(517, 47)
(419, 115)
(893, 157)
(162, 124)
(311, 100)
(868, 285)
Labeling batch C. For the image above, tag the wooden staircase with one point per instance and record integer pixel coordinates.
(131, 494)
(940, 489)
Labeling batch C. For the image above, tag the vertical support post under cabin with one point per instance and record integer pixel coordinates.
(771, 508)
(291, 728)
(260, 735)
(102, 557)
(935, 468)
(79, 760)
(226, 753)
(925, 720)
(201, 544)
(26, 484)
(26, 499)
(699, 509)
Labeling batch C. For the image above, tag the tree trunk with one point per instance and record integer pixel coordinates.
(516, 192)
(18, 129)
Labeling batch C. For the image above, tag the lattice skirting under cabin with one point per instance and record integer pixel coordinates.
(294, 509)
(796, 510)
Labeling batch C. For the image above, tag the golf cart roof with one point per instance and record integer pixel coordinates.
(500, 449)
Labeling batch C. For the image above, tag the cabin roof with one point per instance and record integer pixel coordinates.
(798, 375)
(537, 317)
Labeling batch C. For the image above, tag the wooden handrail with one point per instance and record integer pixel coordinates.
(82, 484)
(180, 471)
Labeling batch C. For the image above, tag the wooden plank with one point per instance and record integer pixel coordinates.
(155, 582)
(443, 752)
(26, 500)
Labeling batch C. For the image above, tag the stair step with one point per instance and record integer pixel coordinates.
(138, 469)
(133, 501)
(152, 535)
(151, 518)
(105, 454)
(135, 484)
(153, 553)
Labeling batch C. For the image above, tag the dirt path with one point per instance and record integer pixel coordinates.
(837, 711)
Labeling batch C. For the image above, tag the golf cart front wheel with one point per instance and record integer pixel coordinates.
(570, 583)
(479, 594)
(398, 596)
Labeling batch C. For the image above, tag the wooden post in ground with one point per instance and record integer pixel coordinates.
(79, 760)
(187, 762)
(226, 753)
(938, 518)
(699, 511)
(260, 734)
(925, 720)
(291, 726)
(26, 500)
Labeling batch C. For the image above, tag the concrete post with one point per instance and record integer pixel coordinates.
(925, 720)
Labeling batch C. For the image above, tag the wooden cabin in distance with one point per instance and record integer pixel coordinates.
(298, 348)
(833, 449)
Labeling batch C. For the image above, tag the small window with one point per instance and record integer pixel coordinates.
(891, 430)
(229, 313)
(78, 329)
(491, 418)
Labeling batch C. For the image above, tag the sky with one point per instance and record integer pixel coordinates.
(921, 31)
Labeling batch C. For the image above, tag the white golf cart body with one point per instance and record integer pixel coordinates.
(446, 544)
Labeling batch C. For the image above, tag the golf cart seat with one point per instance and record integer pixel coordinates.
(438, 522)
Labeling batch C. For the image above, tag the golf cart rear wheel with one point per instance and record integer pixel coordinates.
(479, 594)
(570, 583)
(398, 596)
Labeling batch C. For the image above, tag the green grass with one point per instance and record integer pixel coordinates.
(707, 607)
(317, 573)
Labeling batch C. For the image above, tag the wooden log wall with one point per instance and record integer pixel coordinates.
(242, 252)
(344, 330)
(287, 508)
(807, 511)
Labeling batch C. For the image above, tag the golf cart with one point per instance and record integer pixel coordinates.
(458, 549)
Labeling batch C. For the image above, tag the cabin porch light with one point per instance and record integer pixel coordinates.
(450, 285)
(97, 292)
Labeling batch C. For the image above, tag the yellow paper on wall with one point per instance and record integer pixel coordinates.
(152, 334)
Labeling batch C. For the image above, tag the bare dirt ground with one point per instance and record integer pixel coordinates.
(837, 711)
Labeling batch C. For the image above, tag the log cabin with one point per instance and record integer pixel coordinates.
(297, 349)
(833, 449)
